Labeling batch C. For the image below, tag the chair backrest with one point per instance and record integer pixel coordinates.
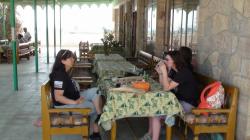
(231, 95)
(47, 102)
(146, 58)
(84, 46)
(24, 45)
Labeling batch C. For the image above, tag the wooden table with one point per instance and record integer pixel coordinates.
(120, 104)
(111, 57)
(113, 68)
(112, 65)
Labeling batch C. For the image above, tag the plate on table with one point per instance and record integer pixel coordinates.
(126, 89)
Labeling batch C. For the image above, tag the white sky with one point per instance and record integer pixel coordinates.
(84, 22)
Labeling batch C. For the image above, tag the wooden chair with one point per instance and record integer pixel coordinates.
(81, 72)
(229, 111)
(50, 114)
(84, 51)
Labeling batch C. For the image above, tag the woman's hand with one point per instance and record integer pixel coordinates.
(163, 68)
(158, 69)
(160, 63)
(79, 101)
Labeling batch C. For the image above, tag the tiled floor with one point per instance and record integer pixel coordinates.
(19, 109)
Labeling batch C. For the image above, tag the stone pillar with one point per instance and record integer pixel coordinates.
(140, 29)
(116, 22)
(161, 26)
(224, 48)
(128, 28)
(121, 25)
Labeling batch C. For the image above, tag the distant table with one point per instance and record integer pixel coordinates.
(3, 51)
(111, 57)
(4, 48)
(113, 64)
(113, 68)
(127, 104)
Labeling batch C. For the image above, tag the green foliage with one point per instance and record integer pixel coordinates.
(6, 7)
(109, 42)
(99, 49)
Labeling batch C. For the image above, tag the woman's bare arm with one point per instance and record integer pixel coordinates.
(167, 84)
(62, 99)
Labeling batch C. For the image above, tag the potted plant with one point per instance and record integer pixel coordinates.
(109, 42)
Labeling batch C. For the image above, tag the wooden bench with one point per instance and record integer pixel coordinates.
(52, 119)
(23, 51)
(229, 111)
(144, 60)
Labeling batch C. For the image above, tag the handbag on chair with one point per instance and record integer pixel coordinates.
(212, 97)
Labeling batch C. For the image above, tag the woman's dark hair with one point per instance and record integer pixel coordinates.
(19, 36)
(186, 54)
(58, 65)
(178, 60)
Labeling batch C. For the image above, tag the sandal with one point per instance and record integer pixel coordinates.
(146, 137)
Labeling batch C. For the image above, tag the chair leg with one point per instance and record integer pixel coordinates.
(229, 136)
(85, 133)
(46, 136)
(186, 131)
(168, 133)
(45, 130)
(113, 131)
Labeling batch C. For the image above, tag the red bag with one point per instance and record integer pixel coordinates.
(212, 97)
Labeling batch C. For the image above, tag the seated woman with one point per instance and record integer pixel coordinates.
(182, 83)
(65, 93)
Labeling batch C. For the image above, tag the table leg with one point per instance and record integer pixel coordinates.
(113, 131)
(1, 57)
(168, 133)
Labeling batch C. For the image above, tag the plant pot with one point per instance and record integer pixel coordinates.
(107, 51)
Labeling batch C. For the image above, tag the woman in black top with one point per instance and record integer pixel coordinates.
(182, 83)
(65, 92)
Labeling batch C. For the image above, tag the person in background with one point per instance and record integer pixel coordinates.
(26, 36)
(65, 91)
(186, 54)
(182, 84)
(20, 38)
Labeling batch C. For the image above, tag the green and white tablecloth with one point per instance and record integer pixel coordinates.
(111, 57)
(105, 84)
(154, 103)
(113, 68)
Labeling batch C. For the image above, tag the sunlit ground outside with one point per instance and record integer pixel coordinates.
(78, 22)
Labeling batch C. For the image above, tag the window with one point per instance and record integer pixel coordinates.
(183, 24)
(151, 30)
